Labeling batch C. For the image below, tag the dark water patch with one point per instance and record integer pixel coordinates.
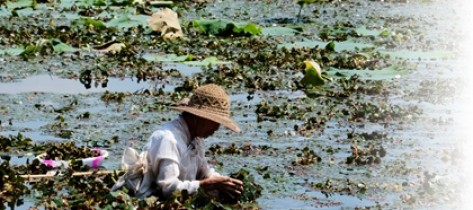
(54, 84)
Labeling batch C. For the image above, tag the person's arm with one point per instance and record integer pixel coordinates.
(213, 181)
(223, 184)
(169, 182)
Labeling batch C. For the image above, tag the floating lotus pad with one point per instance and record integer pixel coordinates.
(63, 47)
(278, 31)
(128, 21)
(363, 31)
(19, 4)
(382, 74)
(12, 51)
(406, 54)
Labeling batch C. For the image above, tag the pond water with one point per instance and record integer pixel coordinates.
(421, 145)
(54, 84)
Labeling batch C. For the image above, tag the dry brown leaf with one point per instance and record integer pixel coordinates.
(166, 22)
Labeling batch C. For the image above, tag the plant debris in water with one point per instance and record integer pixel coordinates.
(18, 142)
(371, 64)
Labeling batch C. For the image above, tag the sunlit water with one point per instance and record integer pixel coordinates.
(54, 84)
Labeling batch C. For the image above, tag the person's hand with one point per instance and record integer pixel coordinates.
(224, 184)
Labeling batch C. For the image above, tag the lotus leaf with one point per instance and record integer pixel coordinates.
(313, 74)
(363, 31)
(405, 54)
(391, 72)
(278, 31)
(127, 21)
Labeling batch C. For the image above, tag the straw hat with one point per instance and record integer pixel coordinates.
(212, 103)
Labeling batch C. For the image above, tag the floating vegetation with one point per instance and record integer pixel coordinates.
(90, 191)
(366, 93)
(306, 157)
(369, 136)
(225, 28)
(60, 128)
(252, 190)
(384, 113)
(13, 187)
(269, 111)
(330, 186)
(311, 125)
(67, 151)
(367, 156)
(18, 142)
(246, 149)
(341, 31)
(117, 97)
(435, 91)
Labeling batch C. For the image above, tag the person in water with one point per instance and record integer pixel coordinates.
(174, 158)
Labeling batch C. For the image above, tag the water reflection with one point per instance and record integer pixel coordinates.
(54, 84)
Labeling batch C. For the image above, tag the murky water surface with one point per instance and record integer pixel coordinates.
(430, 144)
(54, 84)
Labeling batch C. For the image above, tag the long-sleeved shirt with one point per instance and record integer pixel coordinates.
(170, 161)
(177, 161)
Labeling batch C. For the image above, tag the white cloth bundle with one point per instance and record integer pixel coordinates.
(136, 166)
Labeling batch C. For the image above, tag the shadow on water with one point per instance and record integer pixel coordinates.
(54, 84)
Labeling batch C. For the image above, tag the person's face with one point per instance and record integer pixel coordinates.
(206, 128)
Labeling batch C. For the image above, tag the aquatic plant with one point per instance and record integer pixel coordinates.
(118, 97)
(330, 186)
(225, 28)
(12, 186)
(18, 142)
(306, 157)
(367, 156)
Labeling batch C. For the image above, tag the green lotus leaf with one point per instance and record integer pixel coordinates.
(313, 74)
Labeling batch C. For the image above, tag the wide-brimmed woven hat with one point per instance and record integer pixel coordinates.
(210, 102)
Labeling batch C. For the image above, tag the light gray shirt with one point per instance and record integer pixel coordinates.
(171, 161)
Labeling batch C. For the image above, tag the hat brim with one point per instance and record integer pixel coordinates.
(222, 120)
